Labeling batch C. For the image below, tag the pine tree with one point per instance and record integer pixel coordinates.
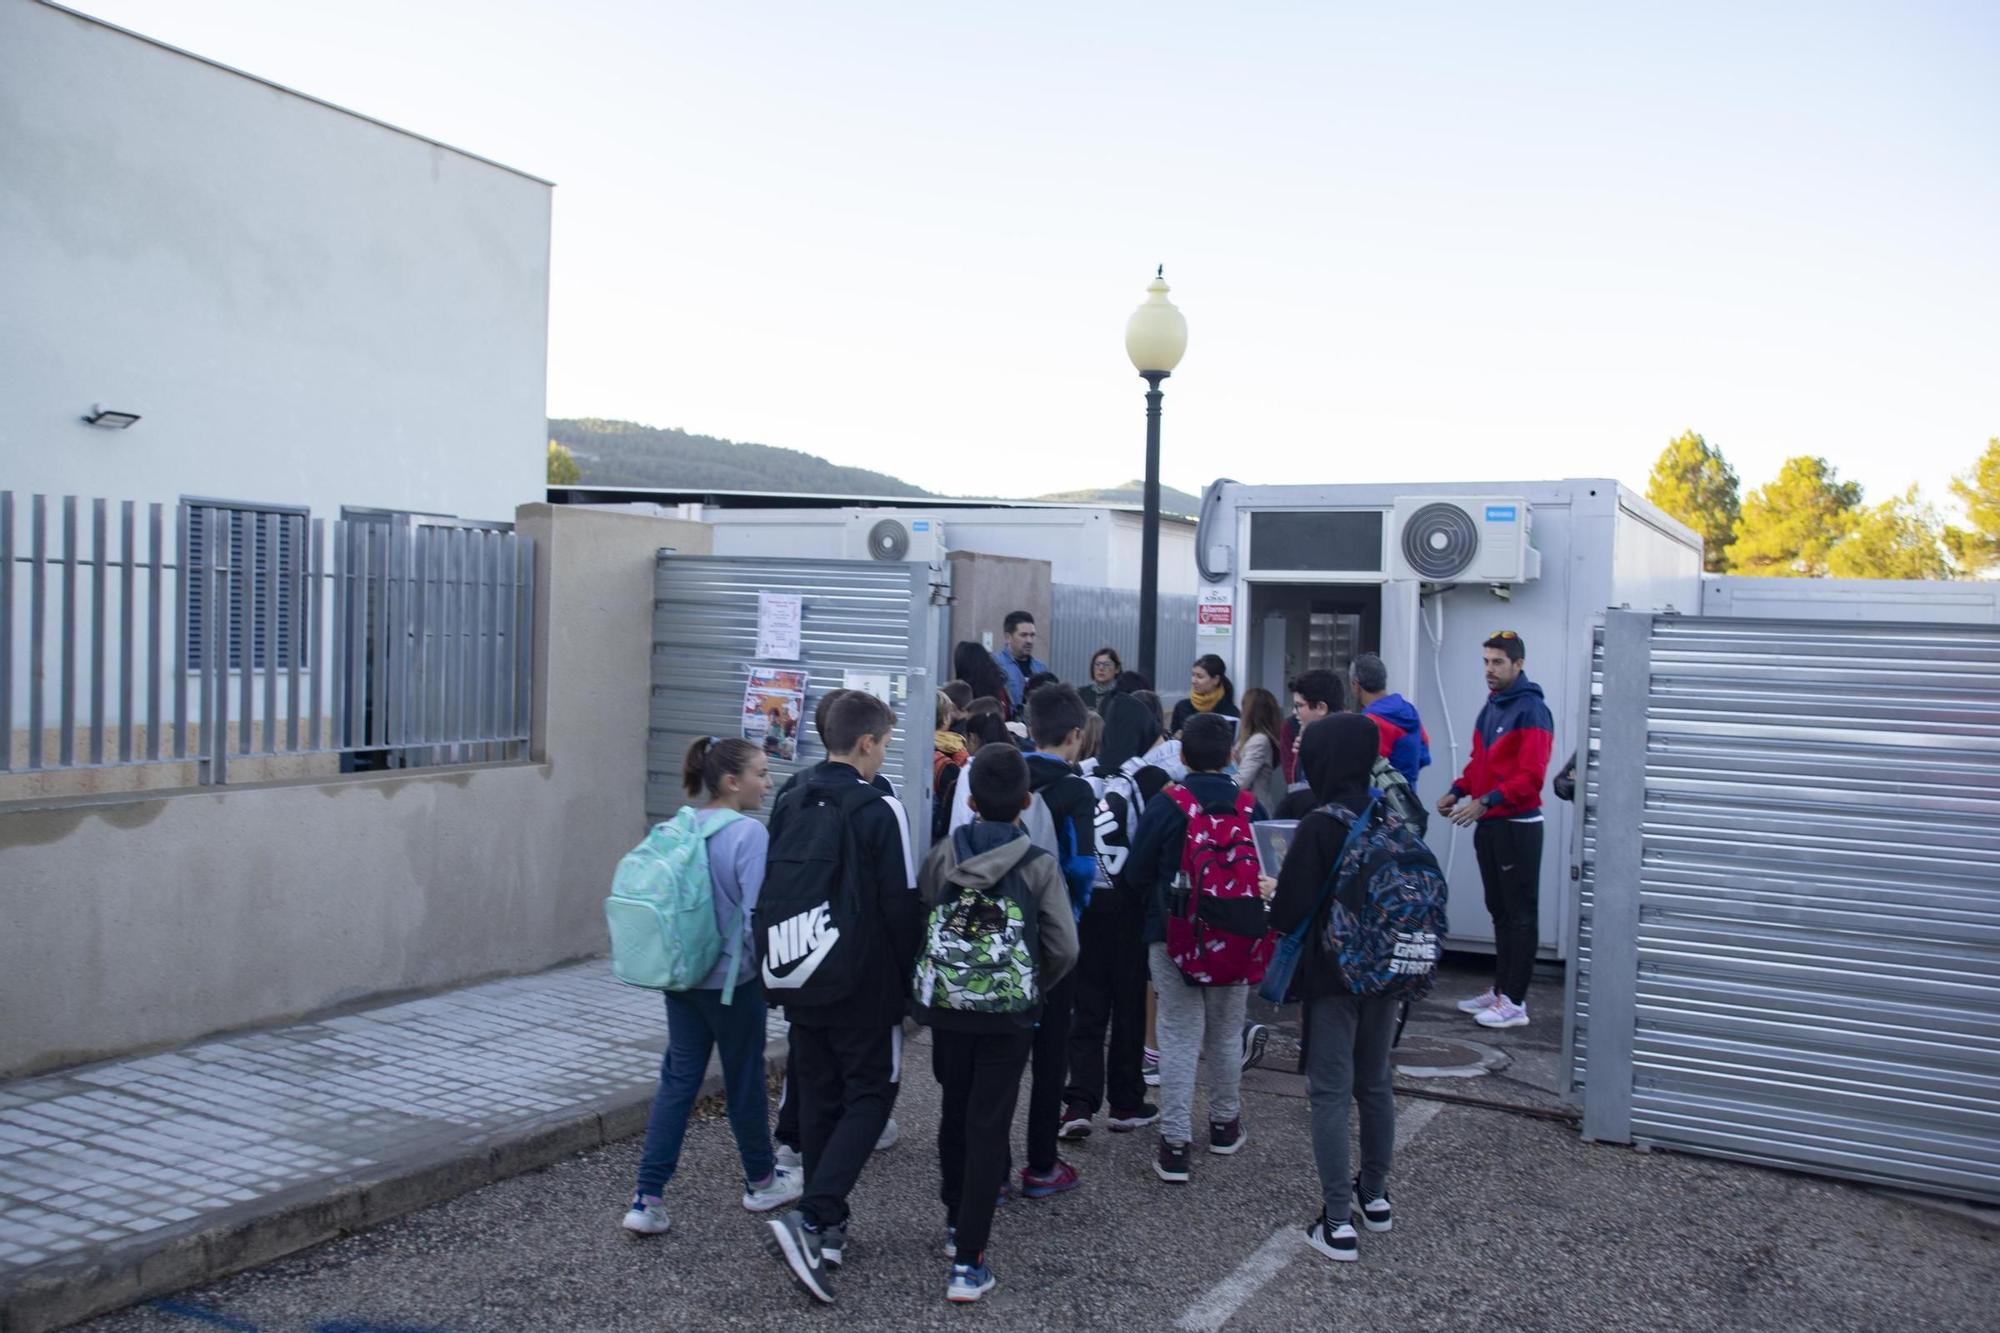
(563, 470)
(1693, 482)
(1901, 538)
(1976, 549)
(1791, 524)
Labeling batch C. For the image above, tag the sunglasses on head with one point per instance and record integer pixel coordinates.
(1503, 634)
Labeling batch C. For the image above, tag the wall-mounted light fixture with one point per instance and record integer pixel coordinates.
(100, 415)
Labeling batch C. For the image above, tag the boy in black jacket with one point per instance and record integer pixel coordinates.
(1056, 718)
(847, 1050)
(978, 1058)
(1347, 1036)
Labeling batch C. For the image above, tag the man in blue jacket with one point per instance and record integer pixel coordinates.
(1016, 656)
(1405, 744)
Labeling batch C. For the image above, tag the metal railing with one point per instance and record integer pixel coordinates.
(391, 641)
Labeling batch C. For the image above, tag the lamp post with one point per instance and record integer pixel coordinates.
(1155, 339)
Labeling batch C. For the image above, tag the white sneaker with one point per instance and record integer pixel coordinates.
(1478, 1003)
(789, 1158)
(785, 1186)
(891, 1132)
(648, 1217)
(1503, 1014)
(1334, 1237)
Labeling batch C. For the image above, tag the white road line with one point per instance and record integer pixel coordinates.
(1223, 1299)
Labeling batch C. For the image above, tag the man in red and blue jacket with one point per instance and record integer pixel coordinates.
(1501, 793)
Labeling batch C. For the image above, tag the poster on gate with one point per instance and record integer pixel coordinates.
(774, 707)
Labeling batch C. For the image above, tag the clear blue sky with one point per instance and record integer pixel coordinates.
(1413, 241)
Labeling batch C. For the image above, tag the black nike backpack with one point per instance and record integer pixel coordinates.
(812, 938)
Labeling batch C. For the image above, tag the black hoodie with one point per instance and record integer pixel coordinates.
(1336, 755)
(888, 876)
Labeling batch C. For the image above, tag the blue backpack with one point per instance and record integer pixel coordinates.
(661, 912)
(1387, 923)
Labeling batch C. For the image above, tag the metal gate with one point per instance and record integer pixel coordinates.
(1788, 940)
(859, 618)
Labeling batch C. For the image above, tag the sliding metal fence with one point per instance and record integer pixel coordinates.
(1787, 948)
(1085, 619)
(222, 632)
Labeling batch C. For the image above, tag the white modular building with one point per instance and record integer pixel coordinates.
(1294, 578)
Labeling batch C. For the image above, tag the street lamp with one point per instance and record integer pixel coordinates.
(1155, 339)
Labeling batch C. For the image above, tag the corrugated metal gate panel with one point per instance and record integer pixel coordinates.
(1816, 970)
(858, 615)
(1086, 618)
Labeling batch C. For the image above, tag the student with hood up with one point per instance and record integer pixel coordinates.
(1348, 1036)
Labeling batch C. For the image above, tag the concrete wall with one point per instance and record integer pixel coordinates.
(156, 918)
(305, 306)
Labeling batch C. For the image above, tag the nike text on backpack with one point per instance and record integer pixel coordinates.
(1387, 922)
(812, 940)
(981, 946)
(1216, 931)
(661, 912)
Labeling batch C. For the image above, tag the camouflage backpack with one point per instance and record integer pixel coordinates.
(982, 947)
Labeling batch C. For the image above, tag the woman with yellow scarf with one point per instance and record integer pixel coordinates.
(1209, 692)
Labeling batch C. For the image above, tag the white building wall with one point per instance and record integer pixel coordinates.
(305, 306)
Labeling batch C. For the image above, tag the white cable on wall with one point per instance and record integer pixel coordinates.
(1444, 700)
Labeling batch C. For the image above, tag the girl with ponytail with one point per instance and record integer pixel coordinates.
(731, 779)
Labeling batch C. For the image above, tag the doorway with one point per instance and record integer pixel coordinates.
(1298, 627)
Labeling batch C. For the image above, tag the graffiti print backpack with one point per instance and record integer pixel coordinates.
(661, 912)
(982, 945)
(1217, 932)
(1387, 923)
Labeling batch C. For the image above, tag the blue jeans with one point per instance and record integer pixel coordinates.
(698, 1022)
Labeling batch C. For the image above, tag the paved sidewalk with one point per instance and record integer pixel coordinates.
(133, 1177)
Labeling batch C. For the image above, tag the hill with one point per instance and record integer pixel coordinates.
(1131, 493)
(623, 453)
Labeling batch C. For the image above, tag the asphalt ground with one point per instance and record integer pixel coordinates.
(1502, 1221)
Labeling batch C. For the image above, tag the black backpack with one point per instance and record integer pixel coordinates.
(813, 936)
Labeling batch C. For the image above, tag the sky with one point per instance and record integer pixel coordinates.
(1416, 242)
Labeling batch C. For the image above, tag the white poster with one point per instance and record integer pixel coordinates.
(778, 618)
(1215, 612)
(869, 682)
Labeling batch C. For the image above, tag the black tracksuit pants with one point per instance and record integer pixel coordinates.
(1510, 867)
(845, 1081)
(1051, 1078)
(1110, 983)
(979, 1074)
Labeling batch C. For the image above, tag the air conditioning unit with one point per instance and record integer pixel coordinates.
(895, 537)
(1463, 539)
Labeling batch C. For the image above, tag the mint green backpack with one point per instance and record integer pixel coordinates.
(661, 911)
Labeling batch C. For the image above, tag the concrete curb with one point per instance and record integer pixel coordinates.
(121, 1273)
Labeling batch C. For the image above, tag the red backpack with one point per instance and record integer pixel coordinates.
(1216, 928)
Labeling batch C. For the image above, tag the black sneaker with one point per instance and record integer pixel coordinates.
(1226, 1136)
(1172, 1163)
(1124, 1122)
(1075, 1122)
(1335, 1240)
(1374, 1213)
(799, 1248)
(1255, 1038)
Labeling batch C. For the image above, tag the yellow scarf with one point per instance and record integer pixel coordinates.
(948, 742)
(1205, 701)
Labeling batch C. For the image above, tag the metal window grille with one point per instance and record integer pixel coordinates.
(265, 545)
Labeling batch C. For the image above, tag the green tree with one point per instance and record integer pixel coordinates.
(1791, 524)
(1693, 482)
(1977, 549)
(1901, 538)
(563, 470)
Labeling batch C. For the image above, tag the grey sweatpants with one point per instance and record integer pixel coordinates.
(1347, 1059)
(1193, 1022)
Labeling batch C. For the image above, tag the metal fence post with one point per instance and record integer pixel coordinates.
(1614, 940)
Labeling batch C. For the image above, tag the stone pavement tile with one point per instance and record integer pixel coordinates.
(153, 1172)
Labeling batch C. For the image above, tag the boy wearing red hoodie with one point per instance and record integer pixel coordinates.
(1501, 793)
